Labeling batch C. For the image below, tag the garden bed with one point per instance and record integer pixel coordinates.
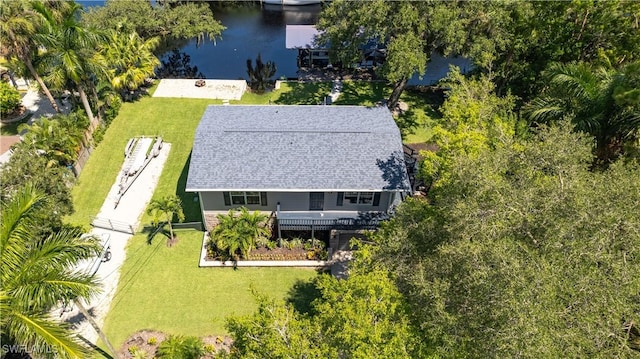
(263, 257)
(145, 343)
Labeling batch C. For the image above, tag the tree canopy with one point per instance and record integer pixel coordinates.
(524, 252)
(166, 19)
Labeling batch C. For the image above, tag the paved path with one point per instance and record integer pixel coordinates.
(129, 210)
(39, 106)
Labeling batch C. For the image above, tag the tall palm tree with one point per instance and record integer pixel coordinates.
(166, 207)
(131, 59)
(20, 21)
(590, 98)
(72, 56)
(38, 273)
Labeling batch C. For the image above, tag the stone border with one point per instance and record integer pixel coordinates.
(26, 114)
(231, 264)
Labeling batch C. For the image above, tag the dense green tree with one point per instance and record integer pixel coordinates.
(603, 103)
(348, 27)
(363, 316)
(20, 21)
(166, 20)
(37, 274)
(166, 207)
(524, 252)
(28, 165)
(474, 119)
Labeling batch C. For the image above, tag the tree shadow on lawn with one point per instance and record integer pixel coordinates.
(305, 93)
(363, 93)
(302, 294)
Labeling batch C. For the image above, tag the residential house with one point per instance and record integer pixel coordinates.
(312, 167)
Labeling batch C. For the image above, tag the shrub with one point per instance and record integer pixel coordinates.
(9, 98)
(237, 231)
(181, 347)
(152, 341)
(133, 349)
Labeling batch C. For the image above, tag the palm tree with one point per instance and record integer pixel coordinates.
(19, 24)
(166, 207)
(131, 58)
(260, 75)
(72, 56)
(591, 99)
(37, 274)
(237, 231)
(58, 138)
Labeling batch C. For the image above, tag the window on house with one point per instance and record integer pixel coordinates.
(245, 198)
(358, 197)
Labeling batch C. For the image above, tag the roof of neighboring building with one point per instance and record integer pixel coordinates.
(297, 148)
(301, 36)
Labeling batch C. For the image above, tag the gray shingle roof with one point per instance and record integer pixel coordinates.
(297, 148)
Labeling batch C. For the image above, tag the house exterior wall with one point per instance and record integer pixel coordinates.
(293, 201)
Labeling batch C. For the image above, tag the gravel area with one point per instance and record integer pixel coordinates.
(129, 210)
(213, 89)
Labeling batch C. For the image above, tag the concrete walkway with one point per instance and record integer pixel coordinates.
(213, 89)
(129, 210)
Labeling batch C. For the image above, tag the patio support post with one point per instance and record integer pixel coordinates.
(312, 229)
(278, 221)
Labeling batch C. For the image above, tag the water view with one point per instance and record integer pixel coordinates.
(254, 29)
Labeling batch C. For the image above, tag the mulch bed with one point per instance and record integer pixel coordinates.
(142, 340)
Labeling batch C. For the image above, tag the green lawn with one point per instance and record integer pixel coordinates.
(175, 119)
(163, 288)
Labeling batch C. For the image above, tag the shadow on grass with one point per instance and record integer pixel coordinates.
(302, 295)
(152, 231)
(305, 93)
(190, 204)
(11, 128)
(363, 93)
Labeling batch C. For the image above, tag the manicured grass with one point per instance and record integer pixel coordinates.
(415, 124)
(175, 119)
(163, 288)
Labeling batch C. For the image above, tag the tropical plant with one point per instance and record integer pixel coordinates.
(72, 56)
(9, 98)
(37, 274)
(597, 101)
(260, 75)
(58, 138)
(181, 347)
(166, 207)
(131, 59)
(237, 231)
(20, 22)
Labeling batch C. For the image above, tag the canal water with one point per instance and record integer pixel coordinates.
(254, 29)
